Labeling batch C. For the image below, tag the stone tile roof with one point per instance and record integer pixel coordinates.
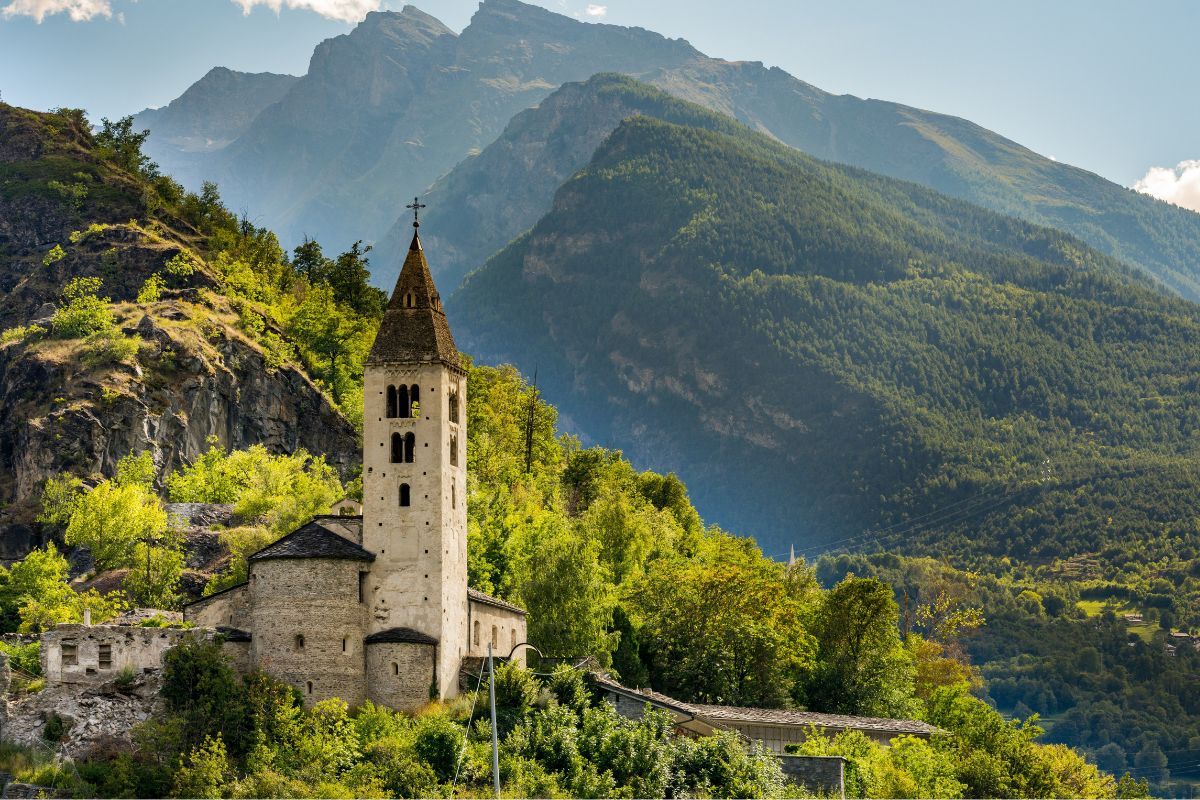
(479, 597)
(406, 635)
(314, 540)
(717, 715)
(416, 332)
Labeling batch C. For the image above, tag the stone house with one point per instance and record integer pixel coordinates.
(96, 654)
(376, 607)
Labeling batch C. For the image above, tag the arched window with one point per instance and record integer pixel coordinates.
(398, 448)
(454, 406)
(402, 402)
(395, 668)
(410, 446)
(410, 300)
(391, 402)
(414, 401)
(405, 495)
(453, 451)
(299, 641)
(477, 633)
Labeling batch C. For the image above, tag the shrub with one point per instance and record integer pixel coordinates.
(54, 255)
(125, 678)
(83, 312)
(20, 333)
(151, 290)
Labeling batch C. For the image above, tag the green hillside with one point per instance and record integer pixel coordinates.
(818, 350)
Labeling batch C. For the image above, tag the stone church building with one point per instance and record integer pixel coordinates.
(376, 607)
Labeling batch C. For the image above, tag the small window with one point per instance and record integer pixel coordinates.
(106, 656)
(395, 668)
(309, 686)
(70, 654)
(512, 635)
(362, 586)
(410, 445)
(477, 633)
(397, 448)
(454, 451)
(410, 299)
(343, 644)
(414, 401)
(454, 406)
(299, 641)
(405, 495)
(453, 494)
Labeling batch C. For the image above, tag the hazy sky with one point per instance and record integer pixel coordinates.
(1103, 85)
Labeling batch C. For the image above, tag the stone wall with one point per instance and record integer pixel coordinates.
(307, 626)
(400, 674)
(419, 577)
(227, 609)
(500, 626)
(823, 775)
(94, 654)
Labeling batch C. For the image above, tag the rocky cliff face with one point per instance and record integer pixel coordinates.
(67, 406)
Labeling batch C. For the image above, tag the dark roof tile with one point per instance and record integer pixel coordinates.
(405, 635)
(479, 597)
(416, 332)
(314, 540)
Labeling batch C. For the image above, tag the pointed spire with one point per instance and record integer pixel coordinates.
(414, 326)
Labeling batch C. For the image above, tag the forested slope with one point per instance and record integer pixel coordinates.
(818, 350)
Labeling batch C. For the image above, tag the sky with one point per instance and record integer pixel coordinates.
(1099, 84)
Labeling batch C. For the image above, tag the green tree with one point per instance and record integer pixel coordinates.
(118, 141)
(82, 312)
(861, 666)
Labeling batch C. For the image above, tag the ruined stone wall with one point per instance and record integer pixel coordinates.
(238, 653)
(230, 608)
(400, 674)
(307, 626)
(419, 577)
(500, 626)
(93, 654)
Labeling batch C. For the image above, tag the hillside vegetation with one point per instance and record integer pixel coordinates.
(819, 350)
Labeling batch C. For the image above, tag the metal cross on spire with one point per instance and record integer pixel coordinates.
(416, 205)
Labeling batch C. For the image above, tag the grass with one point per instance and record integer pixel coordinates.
(1093, 608)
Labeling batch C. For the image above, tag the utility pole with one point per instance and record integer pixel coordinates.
(495, 742)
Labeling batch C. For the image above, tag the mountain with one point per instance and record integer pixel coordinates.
(818, 350)
(166, 373)
(213, 112)
(386, 110)
(488, 199)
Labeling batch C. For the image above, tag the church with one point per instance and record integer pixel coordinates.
(376, 607)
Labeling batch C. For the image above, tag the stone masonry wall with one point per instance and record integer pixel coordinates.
(93, 654)
(400, 674)
(419, 577)
(230, 608)
(508, 627)
(307, 626)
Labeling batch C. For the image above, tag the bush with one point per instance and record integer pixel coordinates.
(54, 255)
(20, 333)
(83, 313)
(125, 678)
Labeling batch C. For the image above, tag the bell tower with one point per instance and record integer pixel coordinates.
(414, 472)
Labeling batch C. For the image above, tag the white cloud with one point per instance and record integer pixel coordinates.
(77, 10)
(596, 11)
(344, 10)
(1179, 184)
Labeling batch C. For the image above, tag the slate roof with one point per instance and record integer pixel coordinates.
(419, 332)
(716, 715)
(479, 597)
(407, 635)
(314, 540)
